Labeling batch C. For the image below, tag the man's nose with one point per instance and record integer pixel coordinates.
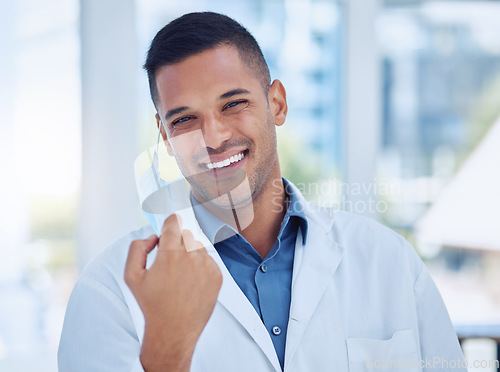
(214, 131)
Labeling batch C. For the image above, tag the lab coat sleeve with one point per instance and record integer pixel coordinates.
(440, 349)
(98, 332)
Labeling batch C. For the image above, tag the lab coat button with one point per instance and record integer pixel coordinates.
(276, 330)
(263, 268)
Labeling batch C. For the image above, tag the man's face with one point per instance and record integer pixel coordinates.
(220, 124)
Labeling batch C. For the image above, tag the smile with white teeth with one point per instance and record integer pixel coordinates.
(226, 162)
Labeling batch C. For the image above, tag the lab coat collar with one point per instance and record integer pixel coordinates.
(322, 217)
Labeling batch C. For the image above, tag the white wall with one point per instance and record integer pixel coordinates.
(361, 123)
(109, 201)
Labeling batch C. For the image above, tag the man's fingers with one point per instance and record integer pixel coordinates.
(137, 258)
(189, 243)
(197, 247)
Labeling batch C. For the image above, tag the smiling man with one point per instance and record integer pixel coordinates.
(296, 288)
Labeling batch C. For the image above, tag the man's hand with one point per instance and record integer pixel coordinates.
(177, 295)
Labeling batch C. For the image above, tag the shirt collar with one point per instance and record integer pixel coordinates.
(296, 208)
(209, 223)
(212, 225)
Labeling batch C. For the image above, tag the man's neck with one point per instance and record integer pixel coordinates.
(269, 211)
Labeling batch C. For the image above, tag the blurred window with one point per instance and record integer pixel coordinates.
(441, 130)
(441, 82)
(40, 163)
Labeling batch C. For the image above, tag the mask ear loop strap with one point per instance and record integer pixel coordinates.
(158, 140)
(156, 171)
(155, 165)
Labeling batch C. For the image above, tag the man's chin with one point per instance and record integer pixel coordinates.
(235, 208)
(222, 191)
(231, 200)
(228, 195)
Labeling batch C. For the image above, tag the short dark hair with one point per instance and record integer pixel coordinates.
(194, 33)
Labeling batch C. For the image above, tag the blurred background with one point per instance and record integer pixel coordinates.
(394, 113)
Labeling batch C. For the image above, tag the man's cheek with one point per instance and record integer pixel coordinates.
(189, 150)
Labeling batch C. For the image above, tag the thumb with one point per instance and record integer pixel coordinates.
(171, 234)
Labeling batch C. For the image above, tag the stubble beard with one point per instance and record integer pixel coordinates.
(247, 187)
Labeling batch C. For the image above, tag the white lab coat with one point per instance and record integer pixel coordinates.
(361, 299)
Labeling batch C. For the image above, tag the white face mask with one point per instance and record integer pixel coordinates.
(159, 198)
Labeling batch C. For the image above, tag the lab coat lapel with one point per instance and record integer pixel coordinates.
(235, 301)
(314, 265)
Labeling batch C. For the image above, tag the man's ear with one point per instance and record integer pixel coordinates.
(277, 102)
(163, 135)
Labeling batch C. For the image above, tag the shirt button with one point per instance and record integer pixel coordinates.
(276, 330)
(263, 268)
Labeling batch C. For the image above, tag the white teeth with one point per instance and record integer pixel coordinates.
(226, 162)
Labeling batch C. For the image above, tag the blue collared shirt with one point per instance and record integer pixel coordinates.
(265, 282)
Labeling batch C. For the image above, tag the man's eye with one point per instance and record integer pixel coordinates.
(181, 120)
(233, 104)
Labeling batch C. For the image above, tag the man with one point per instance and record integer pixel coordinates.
(276, 283)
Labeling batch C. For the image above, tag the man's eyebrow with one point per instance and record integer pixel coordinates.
(233, 92)
(175, 111)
